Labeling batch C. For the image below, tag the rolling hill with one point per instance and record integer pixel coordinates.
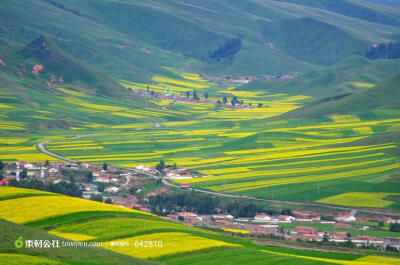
(384, 95)
(187, 33)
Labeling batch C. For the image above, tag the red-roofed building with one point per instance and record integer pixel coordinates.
(184, 186)
(3, 182)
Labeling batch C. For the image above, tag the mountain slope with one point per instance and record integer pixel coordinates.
(131, 40)
(383, 95)
(348, 76)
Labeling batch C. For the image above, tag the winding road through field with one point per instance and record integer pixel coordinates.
(42, 148)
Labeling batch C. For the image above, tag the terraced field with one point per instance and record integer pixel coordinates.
(129, 232)
(234, 150)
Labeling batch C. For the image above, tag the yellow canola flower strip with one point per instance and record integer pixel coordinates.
(380, 260)
(24, 210)
(360, 199)
(284, 181)
(72, 92)
(237, 231)
(332, 261)
(318, 161)
(363, 130)
(13, 140)
(335, 125)
(280, 172)
(344, 118)
(362, 84)
(225, 170)
(73, 236)
(27, 157)
(172, 243)
(77, 148)
(179, 140)
(12, 191)
(5, 106)
(179, 123)
(16, 148)
(163, 79)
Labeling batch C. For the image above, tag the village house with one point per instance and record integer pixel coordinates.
(338, 236)
(392, 241)
(222, 223)
(366, 240)
(304, 230)
(262, 218)
(222, 217)
(112, 189)
(345, 218)
(286, 218)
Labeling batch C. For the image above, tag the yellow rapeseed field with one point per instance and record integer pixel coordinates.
(284, 181)
(360, 199)
(13, 191)
(24, 210)
(172, 243)
(73, 236)
(237, 231)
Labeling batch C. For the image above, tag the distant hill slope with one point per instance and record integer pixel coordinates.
(348, 76)
(394, 3)
(132, 39)
(383, 95)
(43, 61)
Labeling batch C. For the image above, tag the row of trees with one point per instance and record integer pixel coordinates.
(202, 203)
(62, 187)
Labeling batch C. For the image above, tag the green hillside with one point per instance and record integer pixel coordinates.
(384, 95)
(351, 75)
(132, 39)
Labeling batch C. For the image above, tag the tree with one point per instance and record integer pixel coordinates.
(325, 238)
(181, 218)
(394, 227)
(47, 163)
(105, 166)
(96, 197)
(148, 88)
(224, 99)
(187, 94)
(234, 101)
(260, 105)
(174, 166)
(101, 187)
(1, 175)
(160, 167)
(89, 177)
(206, 95)
(132, 190)
(23, 174)
(1, 165)
(195, 97)
(109, 201)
